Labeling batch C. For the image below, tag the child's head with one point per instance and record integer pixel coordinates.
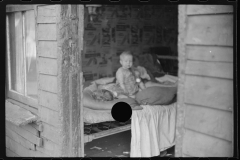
(126, 59)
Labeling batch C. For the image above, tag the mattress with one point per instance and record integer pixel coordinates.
(96, 116)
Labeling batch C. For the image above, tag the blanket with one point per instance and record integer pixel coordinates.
(153, 130)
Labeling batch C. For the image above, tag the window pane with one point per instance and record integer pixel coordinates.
(31, 70)
(15, 50)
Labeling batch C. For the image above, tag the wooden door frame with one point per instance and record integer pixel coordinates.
(70, 44)
(181, 79)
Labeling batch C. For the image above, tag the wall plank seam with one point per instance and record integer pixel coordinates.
(198, 105)
(206, 134)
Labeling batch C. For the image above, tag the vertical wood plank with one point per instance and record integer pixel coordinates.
(182, 62)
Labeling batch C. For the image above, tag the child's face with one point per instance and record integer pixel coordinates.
(126, 61)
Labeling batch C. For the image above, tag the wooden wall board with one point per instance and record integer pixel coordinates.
(209, 121)
(209, 9)
(210, 92)
(24, 133)
(49, 116)
(209, 53)
(51, 132)
(46, 31)
(47, 14)
(210, 69)
(47, 49)
(201, 145)
(48, 83)
(47, 66)
(210, 30)
(49, 148)
(22, 151)
(49, 100)
(19, 139)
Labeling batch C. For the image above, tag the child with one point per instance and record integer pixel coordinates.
(128, 77)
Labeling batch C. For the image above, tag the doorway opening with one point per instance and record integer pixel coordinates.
(150, 32)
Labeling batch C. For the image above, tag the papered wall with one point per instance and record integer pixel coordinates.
(116, 28)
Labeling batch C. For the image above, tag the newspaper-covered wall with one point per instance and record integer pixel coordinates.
(116, 28)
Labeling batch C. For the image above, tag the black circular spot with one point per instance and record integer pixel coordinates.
(121, 111)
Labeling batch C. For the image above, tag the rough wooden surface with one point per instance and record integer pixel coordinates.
(47, 31)
(210, 69)
(209, 121)
(210, 30)
(47, 49)
(51, 132)
(181, 81)
(49, 116)
(49, 148)
(17, 115)
(25, 134)
(210, 92)
(47, 66)
(209, 9)
(49, 100)
(19, 139)
(69, 77)
(201, 145)
(47, 14)
(210, 53)
(22, 151)
(48, 83)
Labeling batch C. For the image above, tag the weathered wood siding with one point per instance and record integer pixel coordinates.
(205, 102)
(34, 140)
(47, 81)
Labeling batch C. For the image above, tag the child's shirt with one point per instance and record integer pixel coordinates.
(129, 80)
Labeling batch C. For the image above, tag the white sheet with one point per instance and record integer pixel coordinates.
(153, 130)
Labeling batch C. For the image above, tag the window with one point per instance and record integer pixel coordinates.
(21, 54)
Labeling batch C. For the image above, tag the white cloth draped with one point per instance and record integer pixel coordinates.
(153, 130)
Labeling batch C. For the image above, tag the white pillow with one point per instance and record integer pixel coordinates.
(104, 80)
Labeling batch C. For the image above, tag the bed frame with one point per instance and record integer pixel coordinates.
(99, 130)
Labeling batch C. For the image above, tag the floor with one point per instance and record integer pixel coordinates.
(117, 145)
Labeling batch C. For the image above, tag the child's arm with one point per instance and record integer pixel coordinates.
(142, 85)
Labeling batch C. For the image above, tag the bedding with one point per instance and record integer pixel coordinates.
(153, 130)
(156, 95)
(90, 102)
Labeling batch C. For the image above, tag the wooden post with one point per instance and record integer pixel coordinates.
(181, 75)
(69, 33)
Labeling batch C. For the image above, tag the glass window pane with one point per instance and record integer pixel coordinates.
(31, 70)
(15, 49)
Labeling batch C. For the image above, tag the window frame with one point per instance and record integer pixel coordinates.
(22, 100)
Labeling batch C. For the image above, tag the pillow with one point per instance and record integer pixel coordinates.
(156, 95)
(105, 80)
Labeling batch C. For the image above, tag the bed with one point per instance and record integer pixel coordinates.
(152, 125)
(98, 121)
